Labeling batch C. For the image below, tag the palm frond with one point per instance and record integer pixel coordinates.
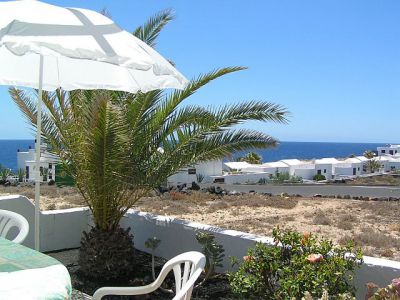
(150, 31)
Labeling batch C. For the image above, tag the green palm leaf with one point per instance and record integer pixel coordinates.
(150, 31)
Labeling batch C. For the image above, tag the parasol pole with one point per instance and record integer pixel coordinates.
(37, 171)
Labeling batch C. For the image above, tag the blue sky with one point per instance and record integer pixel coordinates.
(334, 64)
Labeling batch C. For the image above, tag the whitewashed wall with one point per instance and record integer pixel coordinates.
(207, 169)
(59, 229)
(210, 168)
(329, 170)
(304, 173)
(243, 178)
(273, 170)
(62, 229)
(345, 171)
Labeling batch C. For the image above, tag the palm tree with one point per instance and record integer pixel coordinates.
(373, 165)
(369, 154)
(119, 146)
(252, 158)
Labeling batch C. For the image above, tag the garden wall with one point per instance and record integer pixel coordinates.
(242, 178)
(62, 229)
(59, 229)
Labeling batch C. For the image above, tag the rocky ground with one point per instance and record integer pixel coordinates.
(373, 225)
(381, 180)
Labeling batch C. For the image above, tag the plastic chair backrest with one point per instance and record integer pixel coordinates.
(8, 220)
(187, 267)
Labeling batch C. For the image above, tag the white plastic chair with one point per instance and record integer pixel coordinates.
(193, 264)
(8, 220)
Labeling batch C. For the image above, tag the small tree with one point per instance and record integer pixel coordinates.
(369, 154)
(319, 177)
(4, 173)
(252, 158)
(152, 244)
(21, 175)
(373, 165)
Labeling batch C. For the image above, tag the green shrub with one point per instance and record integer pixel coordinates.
(392, 291)
(319, 177)
(296, 179)
(263, 181)
(280, 177)
(302, 263)
(200, 178)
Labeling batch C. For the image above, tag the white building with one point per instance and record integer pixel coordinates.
(326, 167)
(384, 161)
(241, 178)
(275, 167)
(363, 161)
(349, 167)
(393, 163)
(27, 162)
(242, 166)
(202, 171)
(303, 169)
(389, 150)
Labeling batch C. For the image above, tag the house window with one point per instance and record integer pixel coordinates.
(50, 176)
(391, 152)
(358, 169)
(324, 170)
(50, 166)
(383, 151)
(27, 172)
(191, 171)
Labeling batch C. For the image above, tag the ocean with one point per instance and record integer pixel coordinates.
(310, 150)
(286, 150)
(8, 151)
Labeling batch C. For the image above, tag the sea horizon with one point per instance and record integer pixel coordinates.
(280, 141)
(284, 150)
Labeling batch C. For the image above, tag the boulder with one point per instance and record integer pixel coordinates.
(195, 186)
(181, 186)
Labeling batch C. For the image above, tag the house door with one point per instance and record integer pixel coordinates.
(354, 171)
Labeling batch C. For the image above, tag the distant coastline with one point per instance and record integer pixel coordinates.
(285, 150)
(311, 150)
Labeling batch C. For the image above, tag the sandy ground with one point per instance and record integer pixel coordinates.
(373, 225)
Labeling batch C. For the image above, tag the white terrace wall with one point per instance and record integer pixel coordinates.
(178, 236)
(62, 229)
(59, 229)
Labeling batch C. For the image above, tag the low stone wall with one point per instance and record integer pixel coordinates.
(62, 229)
